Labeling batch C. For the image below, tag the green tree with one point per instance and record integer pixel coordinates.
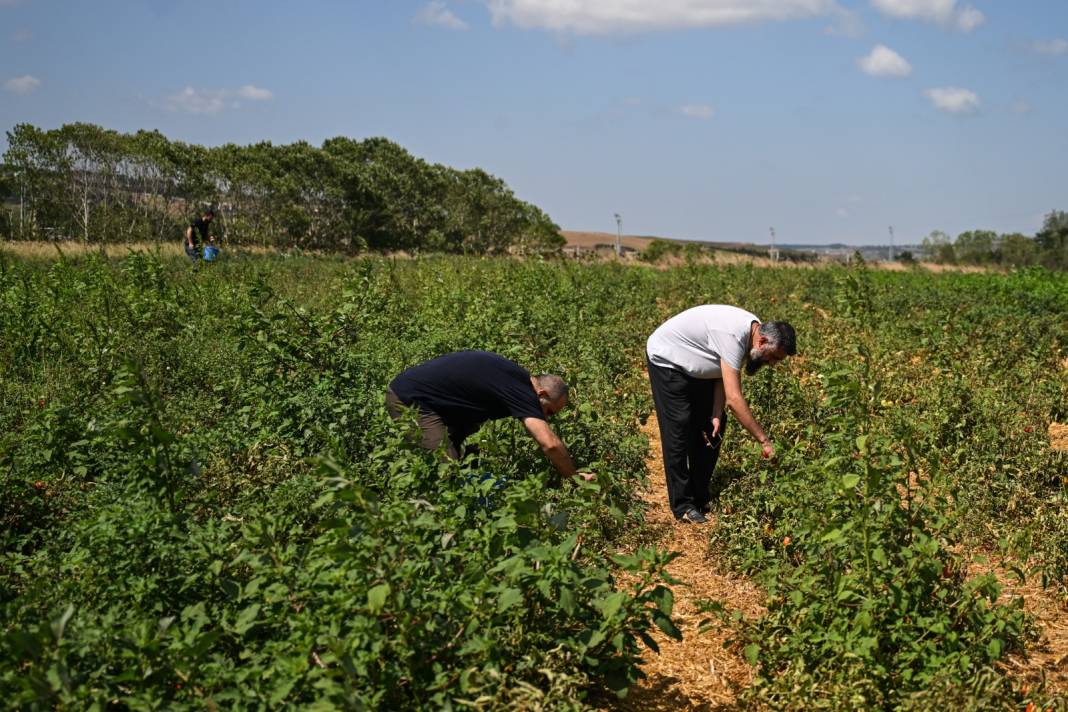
(1052, 240)
(659, 249)
(939, 247)
(976, 247)
(1018, 250)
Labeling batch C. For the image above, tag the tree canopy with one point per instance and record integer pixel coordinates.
(85, 182)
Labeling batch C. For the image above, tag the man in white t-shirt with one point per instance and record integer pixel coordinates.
(695, 362)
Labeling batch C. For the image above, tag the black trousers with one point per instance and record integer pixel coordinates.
(684, 412)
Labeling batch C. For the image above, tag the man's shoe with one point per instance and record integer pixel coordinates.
(692, 516)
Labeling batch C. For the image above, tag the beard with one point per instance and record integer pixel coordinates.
(755, 362)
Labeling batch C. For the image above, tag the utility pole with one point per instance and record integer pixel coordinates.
(619, 235)
(891, 243)
(773, 253)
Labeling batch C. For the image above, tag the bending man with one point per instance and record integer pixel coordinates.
(198, 226)
(456, 393)
(695, 363)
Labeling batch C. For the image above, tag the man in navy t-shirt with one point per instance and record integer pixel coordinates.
(456, 393)
(198, 226)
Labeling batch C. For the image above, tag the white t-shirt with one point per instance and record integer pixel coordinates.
(696, 340)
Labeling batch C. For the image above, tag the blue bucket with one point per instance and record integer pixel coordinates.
(210, 252)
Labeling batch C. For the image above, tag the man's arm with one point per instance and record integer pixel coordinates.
(732, 390)
(553, 448)
(188, 236)
(718, 401)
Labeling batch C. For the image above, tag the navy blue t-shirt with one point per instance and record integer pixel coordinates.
(199, 225)
(467, 388)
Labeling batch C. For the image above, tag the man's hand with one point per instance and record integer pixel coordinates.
(588, 476)
(768, 450)
(711, 438)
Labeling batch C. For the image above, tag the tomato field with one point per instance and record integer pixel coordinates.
(205, 505)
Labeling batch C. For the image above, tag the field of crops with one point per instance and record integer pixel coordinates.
(204, 504)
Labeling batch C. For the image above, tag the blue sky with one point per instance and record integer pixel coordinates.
(706, 119)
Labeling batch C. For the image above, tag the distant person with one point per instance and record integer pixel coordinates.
(695, 361)
(197, 234)
(454, 394)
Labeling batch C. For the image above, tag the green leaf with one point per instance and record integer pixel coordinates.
(993, 649)
(246, 618)
(835, 535)
(376, 597)
(752, 653)
(508, 598)
(567, 600)
(610, 605)
(665, 624)
(850, 481)
(664, 599)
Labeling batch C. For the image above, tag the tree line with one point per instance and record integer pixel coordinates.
(1048, 247)
(84, 182)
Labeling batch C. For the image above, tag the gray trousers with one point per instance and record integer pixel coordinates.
(433, 431)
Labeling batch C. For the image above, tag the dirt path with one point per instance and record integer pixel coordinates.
(697, 673)
(1047, 657)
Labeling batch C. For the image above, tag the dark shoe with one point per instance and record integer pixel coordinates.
(692, 516)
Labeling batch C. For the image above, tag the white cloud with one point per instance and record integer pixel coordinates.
(1056, 47)
(22, 36)
(884, 62)
(697, 111)
(212, 101)
(22, 85)
(193, 101)
(437, 13)
(254, 93)
(953, 100)
(589, 17)
(945, 12)
(842, 213)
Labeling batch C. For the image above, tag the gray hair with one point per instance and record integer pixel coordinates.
(554, 386)
(781, 335)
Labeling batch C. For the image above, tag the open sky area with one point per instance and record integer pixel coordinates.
(703, 119)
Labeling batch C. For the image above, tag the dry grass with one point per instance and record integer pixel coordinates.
(53, 250)
(1058, 437)
(697, 673)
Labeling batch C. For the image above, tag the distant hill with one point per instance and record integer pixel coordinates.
(591, 240)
